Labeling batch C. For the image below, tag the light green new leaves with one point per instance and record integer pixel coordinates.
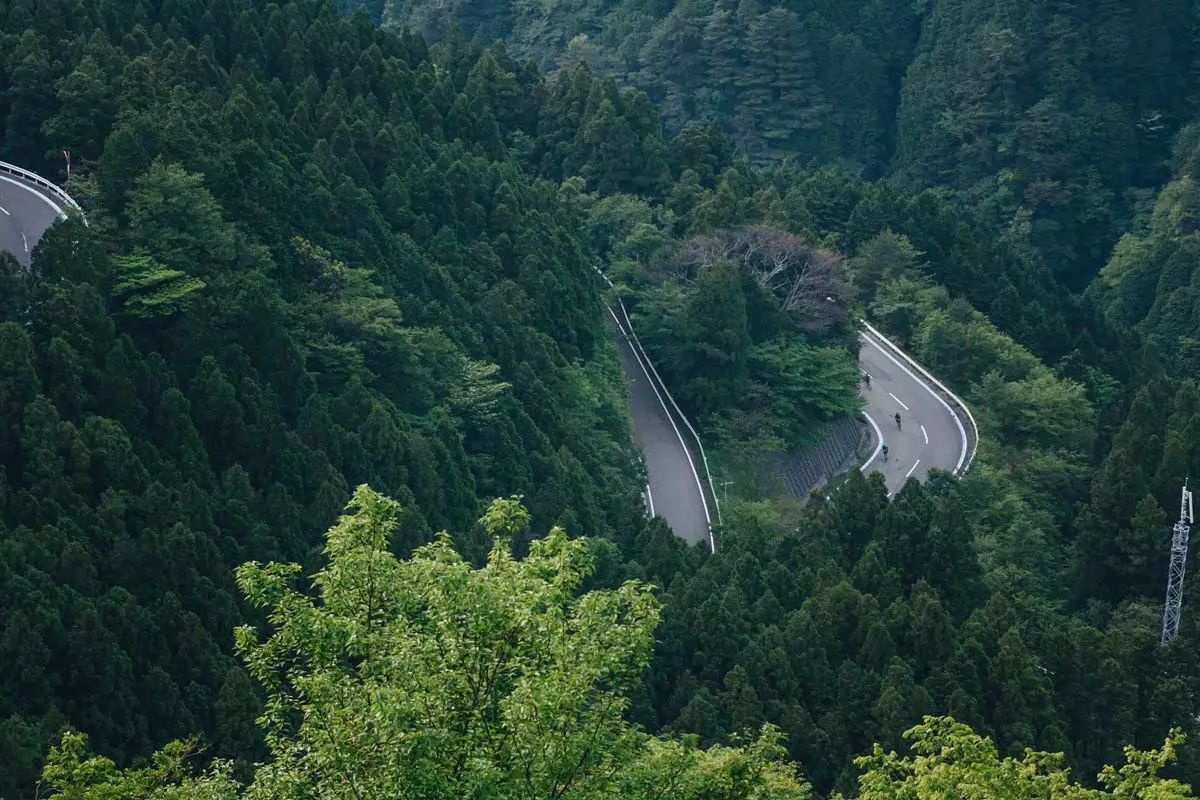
(680, 770)
(949, 761)
(148, 289)
(429, 678)
(72, 773)
(475, 391)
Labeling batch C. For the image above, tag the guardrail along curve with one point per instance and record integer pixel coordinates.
(708, 474)
(38, 180)
(641, 354)
(974, 444)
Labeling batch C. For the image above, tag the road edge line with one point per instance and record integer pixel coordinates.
(961, 430)
(57, 209)
(686, 452)
(682, 416)
(878, 444)
(961, 403)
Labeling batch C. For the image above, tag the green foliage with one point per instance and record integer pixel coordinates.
(1010, 645)
(72, 773)
(1054, 141)
(322, 254)
(177, 220)
(887, 255)
(1042, 412)
(803, 385)
(812, 81)
(1053, 124)
(1149, 284)
(146, 288)
(429, 678)
(948, 757)
(312, 261)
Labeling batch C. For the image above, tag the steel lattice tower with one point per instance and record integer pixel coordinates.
(1179, 548)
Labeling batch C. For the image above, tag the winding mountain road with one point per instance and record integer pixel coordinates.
(674, 491)
(931, 433)
(26, 211)
(935, 431)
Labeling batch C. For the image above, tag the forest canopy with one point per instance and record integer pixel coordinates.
(1054, 120)
(427, 678)
(322, 254)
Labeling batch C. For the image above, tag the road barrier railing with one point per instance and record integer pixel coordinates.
(973, 445)
(687, 423)
(641, 354)
(40, 182)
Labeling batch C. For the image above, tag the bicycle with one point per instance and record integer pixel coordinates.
(885, 452)
(898, 421)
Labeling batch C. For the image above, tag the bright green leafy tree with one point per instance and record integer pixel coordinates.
(950, 761)
(428, 678)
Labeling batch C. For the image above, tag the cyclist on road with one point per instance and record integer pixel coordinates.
(867, 379)
(897, 420)
(885, 452)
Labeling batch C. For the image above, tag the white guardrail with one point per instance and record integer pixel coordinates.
(38, 180)
(711, 486)
(627, 330)
(640, 353)
(974, 444)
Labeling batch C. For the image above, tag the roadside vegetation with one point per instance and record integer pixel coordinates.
(324, 255)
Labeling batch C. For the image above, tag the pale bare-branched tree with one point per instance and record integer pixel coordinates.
(810, 282)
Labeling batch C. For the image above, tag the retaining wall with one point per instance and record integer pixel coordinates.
(840, 444)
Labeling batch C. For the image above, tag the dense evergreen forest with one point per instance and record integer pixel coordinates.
(1047, 116)
(430, 679)
(322, 254)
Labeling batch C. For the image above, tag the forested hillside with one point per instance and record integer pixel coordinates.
(1024, 599)
(432, 680)
(310, 264)
(1151, 282)
(321, 254)
(1054, 119)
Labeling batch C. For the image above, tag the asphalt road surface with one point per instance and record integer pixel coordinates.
(929, 434)
(26, 211)
(674, 491)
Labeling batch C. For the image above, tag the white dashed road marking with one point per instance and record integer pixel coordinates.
(26, 241)
(913, 467)
(898, 400)
(926, 435)
(5, 210)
